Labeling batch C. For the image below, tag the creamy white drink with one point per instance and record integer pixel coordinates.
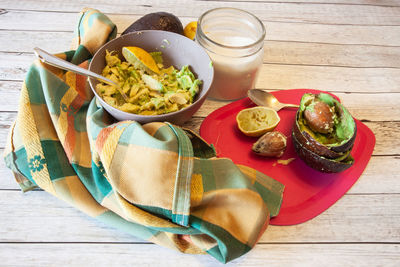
(234, 40)
(233, 76)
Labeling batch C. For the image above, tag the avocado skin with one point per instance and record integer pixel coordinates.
(162, 21)
(317, 162)
(322, 157)
(348, 145)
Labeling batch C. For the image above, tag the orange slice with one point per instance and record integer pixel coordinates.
(257, 121)
(190, 30)
(140, 58)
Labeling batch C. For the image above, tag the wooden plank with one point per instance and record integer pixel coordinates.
(153, 255)
(13, 67)
(277, 52)
(342, 2)
(17, 41)
(380, 176)
(354, 218)
(386, 133)
(276, 31)
(6, 119)
(43, 209)
(329, 78)
(286, 12)
(16, 20)
(26, 21)
(319, 2)
(9, 95)
(7, 181)
(342, 223)
(367, 106)
(363, 106)
(280, 52)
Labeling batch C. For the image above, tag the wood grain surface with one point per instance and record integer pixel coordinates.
(348, 47)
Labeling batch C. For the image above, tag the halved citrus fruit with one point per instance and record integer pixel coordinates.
(257, 121)
(190, 30)
(140, 58)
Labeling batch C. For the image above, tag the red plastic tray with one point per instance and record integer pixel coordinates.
(307, 191)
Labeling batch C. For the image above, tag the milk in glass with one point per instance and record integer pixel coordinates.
(234, 40)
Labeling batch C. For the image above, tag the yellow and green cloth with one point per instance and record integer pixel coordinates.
(157, 181)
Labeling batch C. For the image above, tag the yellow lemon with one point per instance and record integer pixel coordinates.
(190, 30)
(257, 121)
(140, 58)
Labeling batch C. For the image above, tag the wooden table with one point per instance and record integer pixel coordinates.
(351, 48)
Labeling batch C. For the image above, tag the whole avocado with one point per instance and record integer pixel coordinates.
(157, 21)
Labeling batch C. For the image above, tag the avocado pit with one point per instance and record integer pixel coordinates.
(319, 117)
(271, 144)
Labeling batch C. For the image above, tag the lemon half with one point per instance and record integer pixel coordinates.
(257, 121)
(140, 58)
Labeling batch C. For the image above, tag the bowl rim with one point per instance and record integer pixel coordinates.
(133, 115)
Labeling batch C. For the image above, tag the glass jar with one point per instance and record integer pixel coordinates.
(234, 40)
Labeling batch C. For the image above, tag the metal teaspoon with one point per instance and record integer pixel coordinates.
(263, 98)
(52, 60)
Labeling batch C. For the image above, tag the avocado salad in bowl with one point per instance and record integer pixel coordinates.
(161, 76)
(150, 88)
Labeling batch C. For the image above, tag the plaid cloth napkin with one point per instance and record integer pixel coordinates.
(156, 181)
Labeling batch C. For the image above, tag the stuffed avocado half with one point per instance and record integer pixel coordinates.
(323, 133)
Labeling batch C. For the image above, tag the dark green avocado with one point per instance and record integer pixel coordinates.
(324, 133)
(162, 21)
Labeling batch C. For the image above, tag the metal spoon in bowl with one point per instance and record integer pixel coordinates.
(52, 60)
(263, 98)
